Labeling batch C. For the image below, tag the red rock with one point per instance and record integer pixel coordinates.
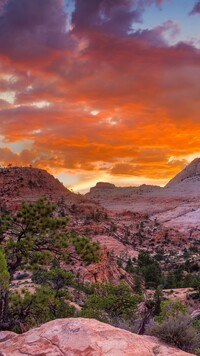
(106, 270)
(28, 184)
(86, 337)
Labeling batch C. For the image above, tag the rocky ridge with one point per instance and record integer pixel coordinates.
(28, 184)
(86, 337)
(191, 171)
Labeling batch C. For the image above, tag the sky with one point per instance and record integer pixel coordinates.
(100, 90)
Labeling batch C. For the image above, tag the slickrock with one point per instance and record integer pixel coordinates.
(86, 337)
(176, 205)
(6, 335)
(191, 171)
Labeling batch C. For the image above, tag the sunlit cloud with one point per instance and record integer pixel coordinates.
(8, 96)
(89, 92)
(41, 104)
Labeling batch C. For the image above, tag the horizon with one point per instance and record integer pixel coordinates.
(87, 189)
(101, 90)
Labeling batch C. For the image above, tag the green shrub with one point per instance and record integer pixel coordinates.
(177, 331)
(23, 275)
(175, 326)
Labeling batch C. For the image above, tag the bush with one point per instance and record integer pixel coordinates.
(177, 331)
(171, 308)
(23, 275)
(175, 326)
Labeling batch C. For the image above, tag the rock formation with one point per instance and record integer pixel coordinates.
(87, 337)
(103, 190)
(190, 172)
(176, 205)
(106, 270)
(28, 184)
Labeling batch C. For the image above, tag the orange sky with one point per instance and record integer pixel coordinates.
(89, 93)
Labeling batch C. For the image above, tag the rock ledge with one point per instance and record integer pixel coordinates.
(83, 337)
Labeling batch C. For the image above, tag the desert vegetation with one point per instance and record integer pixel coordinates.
(30, 239)
(44, 251)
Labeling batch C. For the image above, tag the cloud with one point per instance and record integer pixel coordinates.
(106, 15)
(145, 92)
(161, 170)
(196, 9)
(9, 157)
(32, 29)
(109, 16)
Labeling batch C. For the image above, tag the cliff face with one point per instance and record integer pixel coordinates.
(86, 337)
(28, 184)
(106, 270)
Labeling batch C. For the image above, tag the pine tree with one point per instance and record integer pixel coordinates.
(4, 287)
(29, 239)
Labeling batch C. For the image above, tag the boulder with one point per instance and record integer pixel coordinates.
(86, 337)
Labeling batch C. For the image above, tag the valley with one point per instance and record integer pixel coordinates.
(139, 242)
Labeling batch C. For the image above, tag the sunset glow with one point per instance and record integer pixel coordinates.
(100, 90)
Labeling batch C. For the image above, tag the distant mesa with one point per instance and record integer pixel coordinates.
(105, 185)
(104, 188)
(190, 172)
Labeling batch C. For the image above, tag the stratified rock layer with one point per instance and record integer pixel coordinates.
(84, 337)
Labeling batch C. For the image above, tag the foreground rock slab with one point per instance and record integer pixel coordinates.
(87, 337)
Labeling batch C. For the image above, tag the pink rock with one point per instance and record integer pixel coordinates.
(86, 337)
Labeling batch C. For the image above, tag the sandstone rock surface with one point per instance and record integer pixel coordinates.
(191, 171)
(176, 205)
(86, 337)
(106, 270)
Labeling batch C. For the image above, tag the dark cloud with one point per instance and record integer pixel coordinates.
(31, 28)
(196, 9)
(109, 16)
